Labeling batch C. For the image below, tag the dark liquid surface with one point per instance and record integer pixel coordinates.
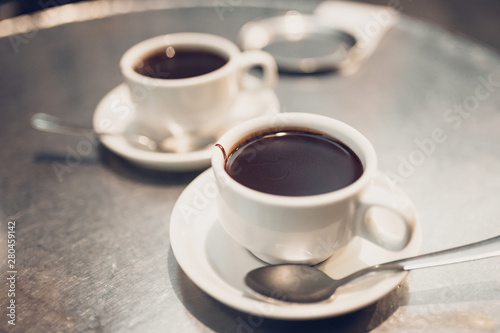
(294, 163)
(180, 63)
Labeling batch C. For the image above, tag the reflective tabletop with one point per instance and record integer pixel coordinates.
(92, 250)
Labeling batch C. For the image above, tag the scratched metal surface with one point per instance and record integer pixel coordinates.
(92, 251)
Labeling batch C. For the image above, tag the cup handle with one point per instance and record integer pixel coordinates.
(257, 58)
(377, 196)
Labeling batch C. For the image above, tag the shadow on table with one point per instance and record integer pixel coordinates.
(120, 166)
(222, 318)
(126, 169)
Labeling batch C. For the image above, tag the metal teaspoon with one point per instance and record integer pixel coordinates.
(48, 123)
(305, 284)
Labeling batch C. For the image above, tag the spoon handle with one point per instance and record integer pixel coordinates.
(47, 123)
(479, 250)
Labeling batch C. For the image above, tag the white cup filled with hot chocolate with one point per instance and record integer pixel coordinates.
(297, 187)
(184, 84)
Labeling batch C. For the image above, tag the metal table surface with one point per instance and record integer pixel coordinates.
(92, 251)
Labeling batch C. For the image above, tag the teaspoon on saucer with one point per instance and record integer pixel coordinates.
(48, 123)
(305, 284)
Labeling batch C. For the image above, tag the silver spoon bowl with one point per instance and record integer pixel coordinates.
(170, 144)
(305, 284)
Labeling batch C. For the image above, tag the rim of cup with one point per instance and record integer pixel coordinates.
(302, 121)
(202, 41)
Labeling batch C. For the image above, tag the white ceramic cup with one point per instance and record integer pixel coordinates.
(198, 104)
(306, 229)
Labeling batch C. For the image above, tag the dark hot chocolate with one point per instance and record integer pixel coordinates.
(293, 163)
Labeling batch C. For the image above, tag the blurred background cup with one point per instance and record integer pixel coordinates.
(184, 84)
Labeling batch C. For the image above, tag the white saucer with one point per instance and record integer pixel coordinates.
(115, 112)
(217, 264)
